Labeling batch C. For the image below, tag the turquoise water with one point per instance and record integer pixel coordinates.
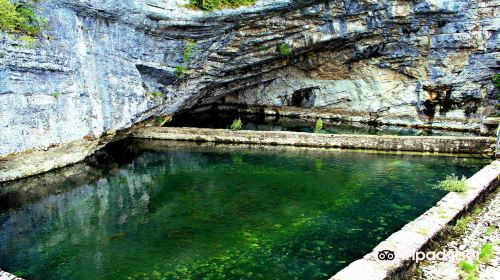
(153, 210)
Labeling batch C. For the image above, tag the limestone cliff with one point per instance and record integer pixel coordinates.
(114, 63)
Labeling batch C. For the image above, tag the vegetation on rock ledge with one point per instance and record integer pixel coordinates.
(160, 120)
(237, 124)
(20, 18)
(210, 5)
(284, 49)
(180, 71)
(453, 184)
(319, 126)
(189, 47)
(496, 80)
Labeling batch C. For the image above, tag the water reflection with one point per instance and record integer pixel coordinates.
(188, 210)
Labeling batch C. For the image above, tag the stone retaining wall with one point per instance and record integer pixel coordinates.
(418, 234)
(34, 162)
(433, 144)
(31, 163)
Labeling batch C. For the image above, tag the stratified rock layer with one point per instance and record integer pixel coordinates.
(105, 65)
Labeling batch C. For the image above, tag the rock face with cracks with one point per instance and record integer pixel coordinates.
(102, 66)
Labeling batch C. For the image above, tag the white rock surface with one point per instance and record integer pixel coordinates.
(383, 58)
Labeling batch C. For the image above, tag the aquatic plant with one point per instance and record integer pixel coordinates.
(56, 94)
(453, 184)
(20, 18)
(319, 126)
(284, 49)
(236, 125)
(210, 5)
(259, 253)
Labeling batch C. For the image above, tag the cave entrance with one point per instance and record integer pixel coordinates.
(304, 98)
(287, 118)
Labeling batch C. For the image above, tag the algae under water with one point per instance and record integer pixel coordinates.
(158, 210)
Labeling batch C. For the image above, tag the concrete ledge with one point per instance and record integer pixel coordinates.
(8, 276)
(34, 162)
(432, 144)
(417, 235)
(31, 163)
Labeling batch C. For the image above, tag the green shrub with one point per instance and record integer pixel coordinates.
(27, 41)
(284, 49)
(20, 18)
(461, 225)
(10, 19)
(468, 271)
(453, 184)
(210, 5)
(236, 125)
(489, 230)
(189, 47)
(31, 25)
(157, 93)
(56, 94)
(487, 253)
(159, 121)
(496, 80)
(180, 71)
(319, 126)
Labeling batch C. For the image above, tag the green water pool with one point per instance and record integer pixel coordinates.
(158, 210)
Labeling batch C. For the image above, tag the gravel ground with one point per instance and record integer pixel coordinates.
(483, 228)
